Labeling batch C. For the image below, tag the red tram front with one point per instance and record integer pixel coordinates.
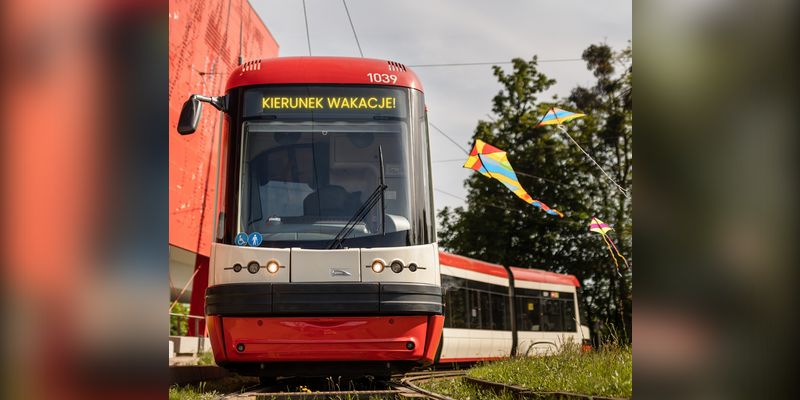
(324, 259)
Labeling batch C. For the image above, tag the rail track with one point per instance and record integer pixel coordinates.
(519, 392)
(406, 387)
(399, 387)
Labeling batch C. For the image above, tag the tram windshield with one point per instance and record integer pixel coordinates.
(310, 160)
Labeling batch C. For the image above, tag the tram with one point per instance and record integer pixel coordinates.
(324, 258)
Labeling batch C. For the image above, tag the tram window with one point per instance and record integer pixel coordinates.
(483, 286)
(528, 311)
(474, 310)
(581, 309)
(455, 302)
(551, 315)
(568, 308)
(522, 321)
(276, 194)
(500, 312)
(486, 310)
(456, 305)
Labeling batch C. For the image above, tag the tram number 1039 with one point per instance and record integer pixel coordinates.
(381, 78)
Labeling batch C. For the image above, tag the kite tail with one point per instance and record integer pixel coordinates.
(613, 257)
(627, 266)
(545, 208)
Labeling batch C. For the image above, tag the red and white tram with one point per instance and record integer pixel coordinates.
(325, 258)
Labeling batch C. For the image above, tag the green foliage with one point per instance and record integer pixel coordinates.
(496, 226)
(179, 326)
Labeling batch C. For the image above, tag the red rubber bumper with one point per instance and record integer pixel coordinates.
(279, 339)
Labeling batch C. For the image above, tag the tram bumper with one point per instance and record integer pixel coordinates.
(301, 322)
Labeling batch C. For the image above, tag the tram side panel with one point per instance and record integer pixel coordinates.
(477, 324)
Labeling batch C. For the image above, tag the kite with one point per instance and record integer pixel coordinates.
(602, 228)
(555, 116)
(493, 163)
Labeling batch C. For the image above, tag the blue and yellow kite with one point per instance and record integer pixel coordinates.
(557, 116)
(493, 163)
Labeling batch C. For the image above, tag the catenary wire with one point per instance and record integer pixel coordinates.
(308, 36)
(449, 138)
(469, 64)
(353, 28)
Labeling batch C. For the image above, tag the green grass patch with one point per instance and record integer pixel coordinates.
(206, 358)
(601, 372)
(456, 388)
(211, 389)
(192, 393)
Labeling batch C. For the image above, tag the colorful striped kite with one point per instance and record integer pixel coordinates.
(493, 162)
(556, 116)
(602, 228)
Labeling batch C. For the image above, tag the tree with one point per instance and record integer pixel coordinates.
(496, 226)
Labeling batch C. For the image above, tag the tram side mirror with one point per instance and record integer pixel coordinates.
(190, 116)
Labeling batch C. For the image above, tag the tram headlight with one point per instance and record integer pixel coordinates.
(378, 265)
(253, 267)
(273, 266)
(397, 266)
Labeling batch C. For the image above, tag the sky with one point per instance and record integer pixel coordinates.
(455, 31)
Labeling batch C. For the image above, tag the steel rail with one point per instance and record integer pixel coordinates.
(339, 394)
(400, 387)
(432, 375)
(519, 392)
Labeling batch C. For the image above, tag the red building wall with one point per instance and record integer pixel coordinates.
(204, 43)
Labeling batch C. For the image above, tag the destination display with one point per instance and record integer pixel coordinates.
(325, 100)
(317, 103)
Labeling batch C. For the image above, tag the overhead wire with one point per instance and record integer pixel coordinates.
(353, 28)
(449, 138)
(468, 64)
(308, 36)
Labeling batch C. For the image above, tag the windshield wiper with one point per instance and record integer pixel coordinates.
(363, 211)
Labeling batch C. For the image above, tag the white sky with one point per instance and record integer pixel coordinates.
(454, 31)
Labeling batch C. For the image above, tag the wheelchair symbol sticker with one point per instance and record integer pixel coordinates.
(241, 239)
(255, 239)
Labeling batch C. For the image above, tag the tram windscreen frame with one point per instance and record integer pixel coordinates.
(312, 153)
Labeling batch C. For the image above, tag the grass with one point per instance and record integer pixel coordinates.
(211, 389)
(601, 372)
(206, 358)
(192, 393)
(456, 388)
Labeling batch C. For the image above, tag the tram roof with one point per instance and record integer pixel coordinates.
(472, 264)
(522, 274)
(322, 70)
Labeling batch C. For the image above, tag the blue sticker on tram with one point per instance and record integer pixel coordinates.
(255, 239)
(241, 239)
